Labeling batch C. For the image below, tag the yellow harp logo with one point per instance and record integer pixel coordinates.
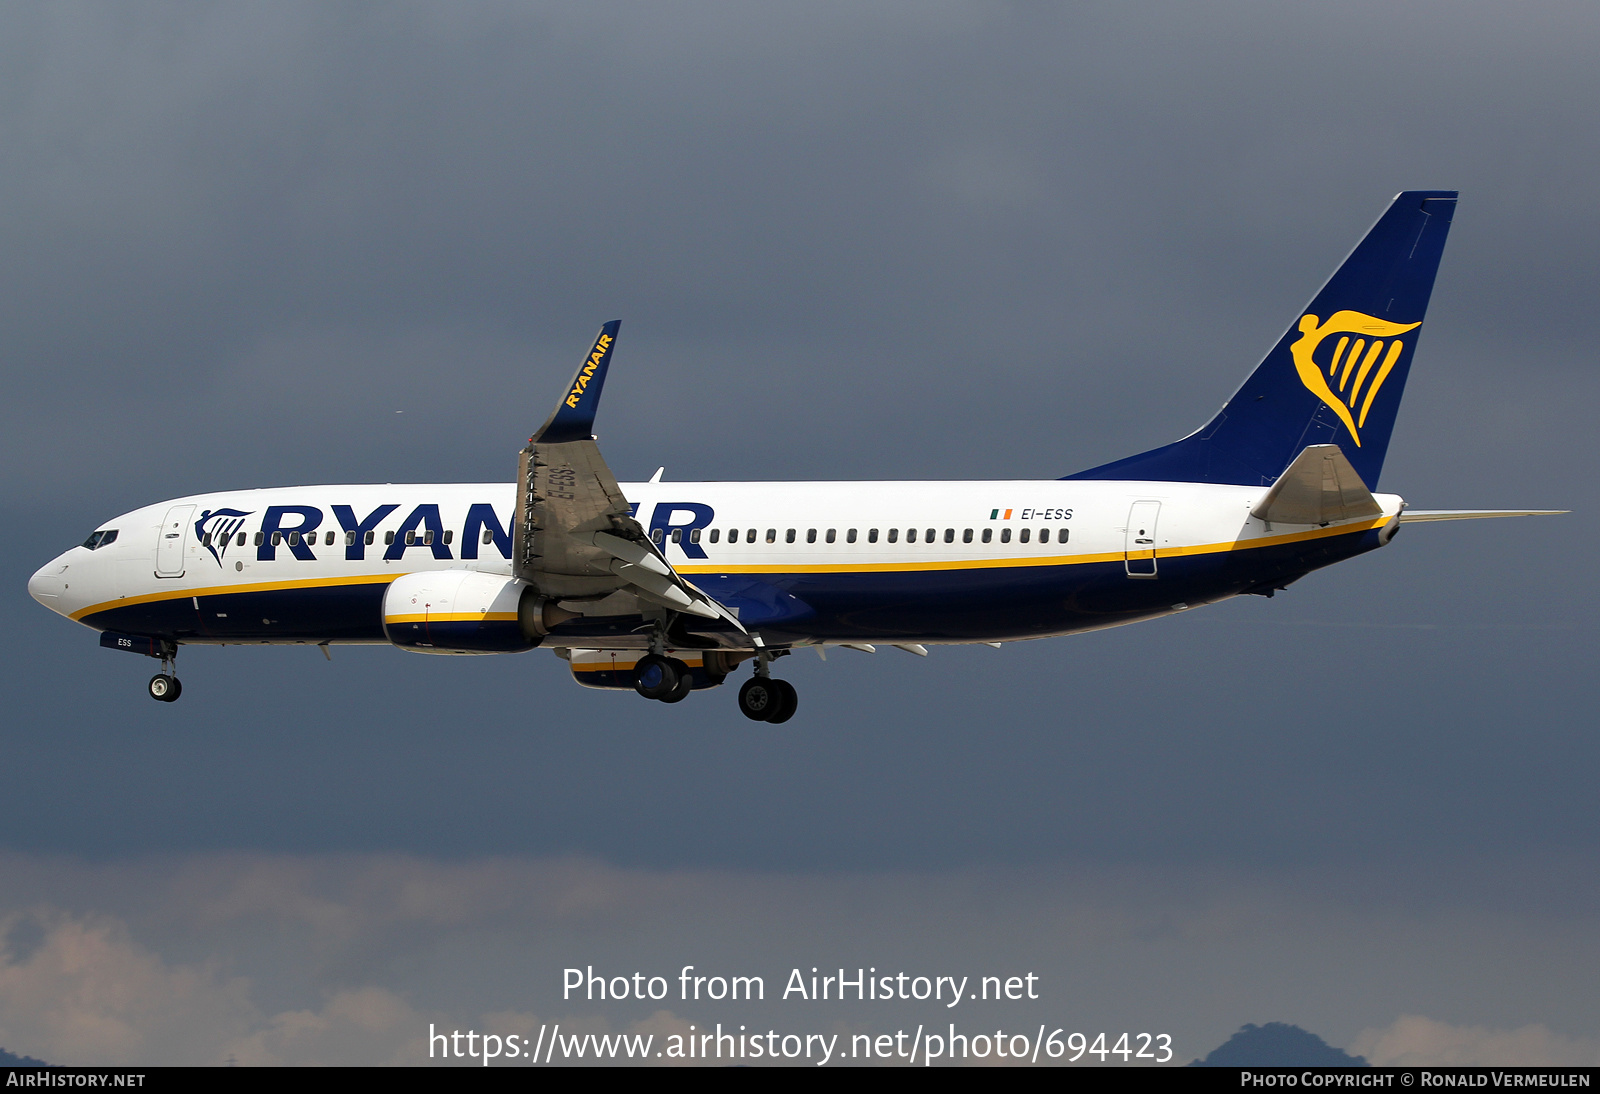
(1362, 341)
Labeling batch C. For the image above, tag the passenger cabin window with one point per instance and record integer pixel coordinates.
(788, 537)
(716, 534)
(966, 536)
(894, 535)
(350, 539)
(988, 534)
(677, 535)
(832, 534)
(694, 535)
(240, 542)
(1005, 535)
(872, 535)
(811, 535)
(1022, 537)
(488, 537)
(389, 540)
(427, 537)
(205, 540)
(259, 537)
(772, 535)
(850, 536)
(294, 539)
(411, 538)
(911, 535)
(749, 535)
(656, 535)
(949, 535)
(449, 535)
(931, 533)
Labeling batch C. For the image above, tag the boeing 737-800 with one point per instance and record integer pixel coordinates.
(664, 588)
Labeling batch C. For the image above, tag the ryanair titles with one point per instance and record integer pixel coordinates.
(586, 373)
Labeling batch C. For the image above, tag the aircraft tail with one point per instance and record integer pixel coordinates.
(1335, 377)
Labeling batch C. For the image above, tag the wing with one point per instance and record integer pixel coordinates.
(575, 538)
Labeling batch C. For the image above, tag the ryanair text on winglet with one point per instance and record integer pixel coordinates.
(587, 371)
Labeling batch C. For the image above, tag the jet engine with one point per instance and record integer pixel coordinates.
(466, 612)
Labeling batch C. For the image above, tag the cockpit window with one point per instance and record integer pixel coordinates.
(101, 538)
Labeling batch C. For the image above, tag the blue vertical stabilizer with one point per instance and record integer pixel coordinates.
(1335, 377)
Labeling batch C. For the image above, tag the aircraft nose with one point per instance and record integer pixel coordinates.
(48, 583)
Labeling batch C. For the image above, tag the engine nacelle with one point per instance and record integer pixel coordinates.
(463, 612)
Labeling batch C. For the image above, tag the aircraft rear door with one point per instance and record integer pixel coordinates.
(1139, 545)
(170, 543)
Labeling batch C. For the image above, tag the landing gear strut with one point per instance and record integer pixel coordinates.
(764, 699)
(164, 686)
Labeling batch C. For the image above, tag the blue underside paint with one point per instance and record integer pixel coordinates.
(966, 605)
(468, 636)
(622, 680)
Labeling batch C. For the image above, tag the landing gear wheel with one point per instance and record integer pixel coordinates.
(681, 692)
(164, 688)
(763, 699)
(655, 676)
(788, 702)
(758, 698)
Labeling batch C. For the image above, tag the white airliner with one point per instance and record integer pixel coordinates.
(665, 588)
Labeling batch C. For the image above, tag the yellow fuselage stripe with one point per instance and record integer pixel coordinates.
(452, 617)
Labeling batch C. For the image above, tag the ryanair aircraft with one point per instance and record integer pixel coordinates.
(666, 588)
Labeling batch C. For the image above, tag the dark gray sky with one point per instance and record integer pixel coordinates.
(931, 241)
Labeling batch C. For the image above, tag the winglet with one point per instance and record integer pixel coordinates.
(573, 419)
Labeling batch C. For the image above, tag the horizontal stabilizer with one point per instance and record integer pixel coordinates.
(1419, 515)
(1318, 487)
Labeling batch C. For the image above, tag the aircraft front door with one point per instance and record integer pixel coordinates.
(169, 546)
(1139, 544)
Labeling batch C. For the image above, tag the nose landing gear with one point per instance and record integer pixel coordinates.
(164, 686)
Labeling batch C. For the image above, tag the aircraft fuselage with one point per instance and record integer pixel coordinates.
(800, 562)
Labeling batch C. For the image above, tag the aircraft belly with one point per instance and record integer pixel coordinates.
(331, 613)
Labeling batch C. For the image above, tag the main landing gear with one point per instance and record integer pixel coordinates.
(663, 678)
(764, 699)
(164, 686)
(761, 699)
